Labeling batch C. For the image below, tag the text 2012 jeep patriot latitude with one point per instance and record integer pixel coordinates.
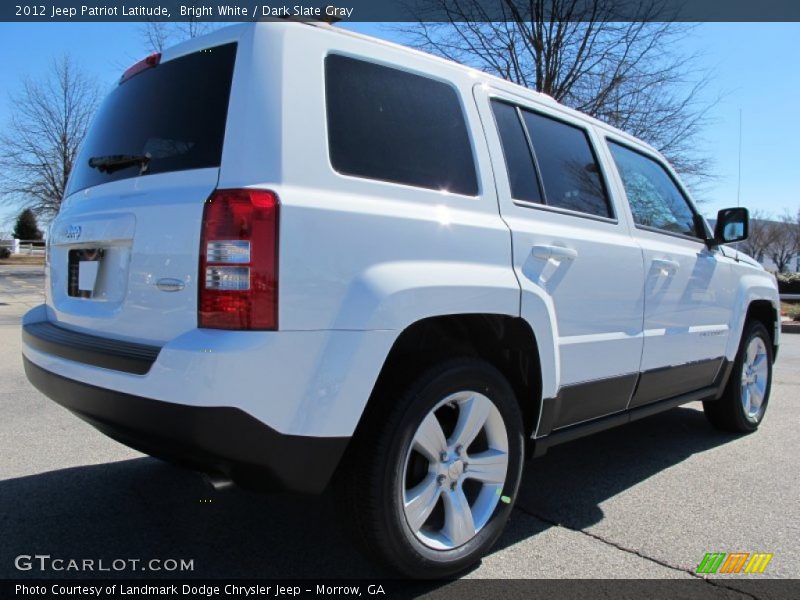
(291, 256)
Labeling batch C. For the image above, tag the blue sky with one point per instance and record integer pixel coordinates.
(755, 65)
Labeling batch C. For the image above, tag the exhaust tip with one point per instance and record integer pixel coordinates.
(218, 482)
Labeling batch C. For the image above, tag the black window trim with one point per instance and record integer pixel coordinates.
(565, 211)
(336, 52)
(611, 139)
(614, 218)
(531, 153)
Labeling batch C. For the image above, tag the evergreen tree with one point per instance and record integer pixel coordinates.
(26, 227)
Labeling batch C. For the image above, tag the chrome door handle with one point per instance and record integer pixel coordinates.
(558, 252)
(665, 265)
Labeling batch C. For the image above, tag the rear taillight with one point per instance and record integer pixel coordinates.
(239, 261)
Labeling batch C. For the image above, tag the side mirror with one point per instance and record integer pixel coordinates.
(733, 225)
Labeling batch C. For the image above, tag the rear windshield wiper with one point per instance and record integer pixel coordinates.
(114, 162)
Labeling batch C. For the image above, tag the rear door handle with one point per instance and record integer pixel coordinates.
(558, 252)
(665, 265)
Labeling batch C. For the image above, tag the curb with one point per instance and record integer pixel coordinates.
(790, 327)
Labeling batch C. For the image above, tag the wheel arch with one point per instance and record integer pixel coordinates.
(756, 299)
(506, 342)
(766, 313)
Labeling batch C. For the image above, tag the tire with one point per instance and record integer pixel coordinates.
(742, 406)
(391, 460)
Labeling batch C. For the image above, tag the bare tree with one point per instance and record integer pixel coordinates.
(783, 245)
(795, 224)
(40, 143)
(758, 240)
(158, 35)
(629, 74)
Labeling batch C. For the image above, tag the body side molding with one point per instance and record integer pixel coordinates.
(559, 434)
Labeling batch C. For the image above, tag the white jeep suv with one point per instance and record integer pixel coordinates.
(291, 255)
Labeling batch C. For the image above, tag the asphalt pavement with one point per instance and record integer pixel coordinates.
(646, 500)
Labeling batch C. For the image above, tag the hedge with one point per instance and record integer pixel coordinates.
(789, 283)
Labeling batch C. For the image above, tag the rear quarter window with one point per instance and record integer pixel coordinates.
(174, 112)
(391, 125)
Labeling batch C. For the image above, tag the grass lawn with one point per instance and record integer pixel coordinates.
(23, 259)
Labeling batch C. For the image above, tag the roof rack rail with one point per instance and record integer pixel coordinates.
(323, 18)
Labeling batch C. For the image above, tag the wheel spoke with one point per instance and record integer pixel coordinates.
(755, 377)
(459, 526)
(472, 415)
(488, 467)
(757, 391)
(421, 500)
(755, 397)
(752, 349)
(429, 439)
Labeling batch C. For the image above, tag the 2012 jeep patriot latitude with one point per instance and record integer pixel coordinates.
(291, 255)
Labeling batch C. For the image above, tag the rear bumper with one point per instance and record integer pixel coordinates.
(299, 383)
(89, 349)
(215, 439)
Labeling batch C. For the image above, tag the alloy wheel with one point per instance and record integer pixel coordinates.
(455, 470)
(755, 375)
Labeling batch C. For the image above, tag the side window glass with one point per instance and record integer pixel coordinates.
(519, 162)
(569, 169)
(390, 125)
(654, 198)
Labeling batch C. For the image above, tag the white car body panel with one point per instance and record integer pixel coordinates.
(150, 227)
(688, 309)
(206, 367)
(593, 302)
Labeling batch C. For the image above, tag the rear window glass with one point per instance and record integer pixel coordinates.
(390, 125)
(174, 112)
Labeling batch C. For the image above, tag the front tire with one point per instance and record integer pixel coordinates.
(742, 406)
(433, 472)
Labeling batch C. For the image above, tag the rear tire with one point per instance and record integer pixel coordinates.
(744, 401)
(431, 476)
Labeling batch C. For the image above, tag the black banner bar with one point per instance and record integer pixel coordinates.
(392, 10)
(692, 588)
